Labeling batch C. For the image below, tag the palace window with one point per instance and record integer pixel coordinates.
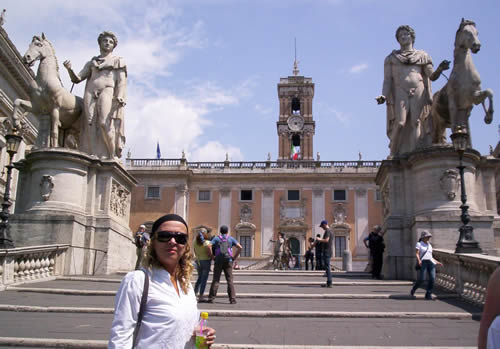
(153, 192)
(246, 195)
(203, 195)
(293, 195)
(378, 195)
(339, 195)
(246, 244)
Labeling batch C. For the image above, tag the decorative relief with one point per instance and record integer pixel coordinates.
(449, 183)
(361, 191)
(339, 214)
(245, 213)
(267, 192)
(120, 200)
(292, 211)
(385, 200)
(225, 192)
(181, 189)
(317, 192)
(46, 187)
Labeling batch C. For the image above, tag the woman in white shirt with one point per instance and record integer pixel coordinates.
(171, 313)
(426, 263)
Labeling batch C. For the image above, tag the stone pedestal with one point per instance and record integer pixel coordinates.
(68, 197)
(421, 191)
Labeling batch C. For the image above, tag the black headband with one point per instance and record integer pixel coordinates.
(166, 218)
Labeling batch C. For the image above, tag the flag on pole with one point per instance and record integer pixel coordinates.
(158, 152)
(295, 152)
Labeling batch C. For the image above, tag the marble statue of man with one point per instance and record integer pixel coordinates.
(407, 92)
(104, 99)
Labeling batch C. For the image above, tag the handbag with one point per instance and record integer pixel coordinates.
(142, 308)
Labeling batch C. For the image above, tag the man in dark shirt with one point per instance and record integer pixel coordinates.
(375, 242)
(327, 242)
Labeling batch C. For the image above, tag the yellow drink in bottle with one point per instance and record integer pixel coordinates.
(200, 335)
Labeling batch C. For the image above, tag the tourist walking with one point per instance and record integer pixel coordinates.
(203, 253)
(223, 251)
(141, 240)
(279, 246)
(375, 243)
(318, 250)
(155, 307)
(327, 241)
(310, 254)
(425, 262)
(489, 329)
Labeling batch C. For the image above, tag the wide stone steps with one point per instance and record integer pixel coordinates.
(284, 309)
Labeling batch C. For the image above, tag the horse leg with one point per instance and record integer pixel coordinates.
(489, 113)
(54, 128)
(20, 107)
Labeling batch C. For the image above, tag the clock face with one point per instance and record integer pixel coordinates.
(295, 122)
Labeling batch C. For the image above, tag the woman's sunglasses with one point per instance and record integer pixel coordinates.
(166, 236)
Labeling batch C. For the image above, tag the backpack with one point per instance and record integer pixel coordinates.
(223, 251)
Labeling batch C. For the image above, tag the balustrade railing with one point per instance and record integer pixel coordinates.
(282, 164)
(465, 274)
(24, 264)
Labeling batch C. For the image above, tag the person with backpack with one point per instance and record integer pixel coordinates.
(222, 247)
(141, 240)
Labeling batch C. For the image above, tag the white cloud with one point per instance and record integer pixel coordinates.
(358, 68)
(342, 117)
(215, 151)
(152, 41)
(262, 109)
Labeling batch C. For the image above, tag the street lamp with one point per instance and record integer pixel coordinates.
(12, 146)
(466, 242)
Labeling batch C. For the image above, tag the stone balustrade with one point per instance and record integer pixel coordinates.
(26, 264)
(465, 274)
(282, 164)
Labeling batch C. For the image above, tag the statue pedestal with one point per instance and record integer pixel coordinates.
(68, 197)
(421, 191)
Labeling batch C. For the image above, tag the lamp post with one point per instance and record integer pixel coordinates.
(466, 242)
(12, 146)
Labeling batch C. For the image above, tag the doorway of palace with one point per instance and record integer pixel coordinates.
(295, 246)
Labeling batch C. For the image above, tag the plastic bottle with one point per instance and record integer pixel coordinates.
(200, 335)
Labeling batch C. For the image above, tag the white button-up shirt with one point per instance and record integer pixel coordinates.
(169, 319)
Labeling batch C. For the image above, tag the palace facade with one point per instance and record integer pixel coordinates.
(256, 200)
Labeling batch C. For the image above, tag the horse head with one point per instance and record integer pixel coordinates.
(467, 36)
(39, 48)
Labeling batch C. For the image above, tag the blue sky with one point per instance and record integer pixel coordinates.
(203, 73)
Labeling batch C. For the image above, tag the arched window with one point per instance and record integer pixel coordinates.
(295, 105)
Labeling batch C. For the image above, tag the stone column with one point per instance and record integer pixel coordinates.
(181, 200)
(224, 207)
(361, 222)
(267, 221)
(318, 211)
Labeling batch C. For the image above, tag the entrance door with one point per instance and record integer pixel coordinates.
(295, 246)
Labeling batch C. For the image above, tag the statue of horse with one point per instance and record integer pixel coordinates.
(452, 105)
(49, 97)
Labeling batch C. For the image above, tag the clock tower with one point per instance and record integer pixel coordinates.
(295, 125)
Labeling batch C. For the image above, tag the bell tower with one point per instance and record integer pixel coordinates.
(295, 125)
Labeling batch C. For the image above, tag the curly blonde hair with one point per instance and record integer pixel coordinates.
(184, 269)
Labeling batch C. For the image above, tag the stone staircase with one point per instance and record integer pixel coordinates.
(275, 309)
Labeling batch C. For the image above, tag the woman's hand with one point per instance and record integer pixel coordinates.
(210, 336)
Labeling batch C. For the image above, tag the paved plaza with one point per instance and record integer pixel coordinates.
(275, 309)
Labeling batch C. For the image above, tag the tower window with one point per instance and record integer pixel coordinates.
(295, 105)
